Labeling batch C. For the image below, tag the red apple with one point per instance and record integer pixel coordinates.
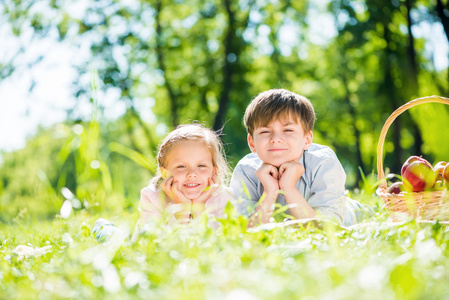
(408, 162)
(418, 175)
(396, 188)
(438, 168)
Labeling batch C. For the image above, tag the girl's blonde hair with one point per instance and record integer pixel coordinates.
(193, 132)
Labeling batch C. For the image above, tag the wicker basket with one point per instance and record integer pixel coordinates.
(430, 205)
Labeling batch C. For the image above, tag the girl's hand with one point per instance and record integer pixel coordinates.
(213, 185)
(170, 187)
(289, 174)
(181, 208)
(198, 204)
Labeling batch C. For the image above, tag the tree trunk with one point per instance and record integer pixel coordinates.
(233, 45)
(356, 131)
(411, 53)
(413, 76)
(227, 68)
(160, 59)
(391, 94)
(444, 19)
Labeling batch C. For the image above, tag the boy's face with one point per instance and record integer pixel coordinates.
(280, 141)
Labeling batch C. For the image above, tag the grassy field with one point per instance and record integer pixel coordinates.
(374, 260)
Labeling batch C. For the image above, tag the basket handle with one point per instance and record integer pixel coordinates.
(391, 118)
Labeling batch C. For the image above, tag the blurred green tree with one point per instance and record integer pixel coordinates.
(205, 60)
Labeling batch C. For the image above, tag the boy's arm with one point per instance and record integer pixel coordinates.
(290, 172)
(268, 176)
(244, 183)
(328, 189)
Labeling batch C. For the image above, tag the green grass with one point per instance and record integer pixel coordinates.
(376, 260)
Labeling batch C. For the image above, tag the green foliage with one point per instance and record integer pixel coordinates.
(102, 174)
(432, 118)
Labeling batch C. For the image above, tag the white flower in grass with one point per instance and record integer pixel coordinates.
(67, 238)
(240, 294)
(134, 278)
(24, 251)
(111, 279)
(66, 209)
(67, 193)
(428, 251)
(95, 164)
(70, 196)
(372, 277)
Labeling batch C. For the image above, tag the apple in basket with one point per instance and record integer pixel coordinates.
(439, 168)
(409, 161)
(439, 186)
(396, 188)
(445, 174)
(417, 174)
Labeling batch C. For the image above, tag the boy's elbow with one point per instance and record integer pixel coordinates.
(337, 218)
(335, 214)
(334, 217)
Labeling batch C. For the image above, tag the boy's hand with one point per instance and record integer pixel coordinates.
(269, 177)
(289, 174)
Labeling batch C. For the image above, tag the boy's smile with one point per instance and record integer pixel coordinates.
(280, 141)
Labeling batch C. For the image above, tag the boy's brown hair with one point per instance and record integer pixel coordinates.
(277, 104)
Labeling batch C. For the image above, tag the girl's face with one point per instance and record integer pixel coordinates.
(190, 164)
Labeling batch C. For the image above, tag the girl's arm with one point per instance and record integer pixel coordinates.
(150, 206)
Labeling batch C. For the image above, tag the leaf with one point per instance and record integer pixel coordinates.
(132, 155)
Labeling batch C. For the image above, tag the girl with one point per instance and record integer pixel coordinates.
(191, 170)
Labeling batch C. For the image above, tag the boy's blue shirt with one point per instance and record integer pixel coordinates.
(322, 184)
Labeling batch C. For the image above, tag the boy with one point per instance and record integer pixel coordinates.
(279, 125)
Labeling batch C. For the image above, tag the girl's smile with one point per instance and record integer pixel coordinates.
(190, 163)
